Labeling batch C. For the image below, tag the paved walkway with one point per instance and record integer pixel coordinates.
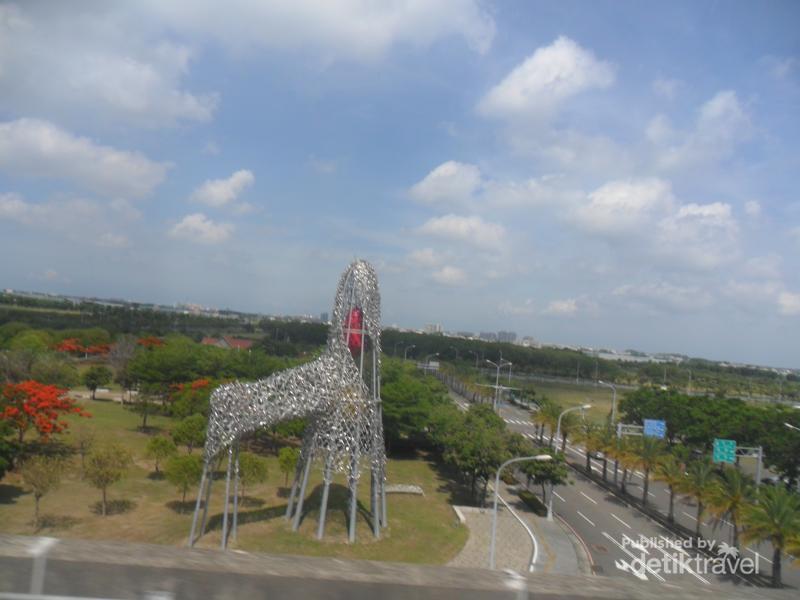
(559, 551)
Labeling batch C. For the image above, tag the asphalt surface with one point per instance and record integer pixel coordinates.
(609, 525)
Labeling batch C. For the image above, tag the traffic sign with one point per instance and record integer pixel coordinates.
(724, 450)
(656, 428)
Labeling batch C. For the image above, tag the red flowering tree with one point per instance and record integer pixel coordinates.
(33, 404)
(98, 350)
(150, 341)
(190, 398)
(70, 346)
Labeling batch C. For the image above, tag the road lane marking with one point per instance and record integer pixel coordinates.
(684, 565)
(688, 515)
(588, 498)
(620, 520)
(760, 556)
(651, 494)
(635, 559)
(587, 518)
(555, 493)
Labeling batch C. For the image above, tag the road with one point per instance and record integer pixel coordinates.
(611, 528)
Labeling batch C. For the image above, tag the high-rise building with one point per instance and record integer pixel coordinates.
(506, 336)
(323, 317)
(488, 336)
(433, 328)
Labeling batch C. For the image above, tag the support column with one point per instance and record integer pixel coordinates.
(298, 472)
(209, 481)
(299, 510)
(384, 521)
(236, 492)
(197, 504)
(376, 527)
(323, 507)
(351, 526)
(224, 542)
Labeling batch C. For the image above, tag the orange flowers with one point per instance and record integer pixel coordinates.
(31, 403)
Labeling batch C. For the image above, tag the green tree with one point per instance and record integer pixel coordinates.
(732, 492)
(52, 369)
(253, 469)
(160, 448)
(41, 474)
(183, 472)
(84, 440)
(546, 473)
(287, 461)
(776, 518)
(670, 471)
(190, 432)
(698, 483)
(96, 376)
(105, 466)
(647, 451)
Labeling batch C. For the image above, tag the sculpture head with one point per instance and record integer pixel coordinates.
(356, 310)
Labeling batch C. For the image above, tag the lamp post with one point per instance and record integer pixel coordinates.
(613, 401)
(558, 434)
(456, 349)
(538, 457)
(394, 352)
(475, 354)
(405, 352)
(497, 365)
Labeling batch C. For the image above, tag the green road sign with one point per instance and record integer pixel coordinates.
(724, 450)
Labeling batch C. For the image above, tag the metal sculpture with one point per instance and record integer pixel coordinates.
(338, 393)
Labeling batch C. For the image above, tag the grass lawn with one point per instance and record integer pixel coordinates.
(422, 529)
(574, 395)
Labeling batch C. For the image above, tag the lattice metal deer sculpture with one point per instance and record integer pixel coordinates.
(339, 394)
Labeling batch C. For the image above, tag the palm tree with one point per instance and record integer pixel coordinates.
(645, 454)
(776, 518)
(569, 423)
(672, 472)
(697, 484)
(727, 498)
(588, 435)
(545, 416)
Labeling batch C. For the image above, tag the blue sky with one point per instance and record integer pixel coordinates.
(613, 174)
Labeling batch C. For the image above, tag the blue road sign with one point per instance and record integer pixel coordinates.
(656, 428)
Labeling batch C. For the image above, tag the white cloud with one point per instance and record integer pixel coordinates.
(220, 192)
(666, 88)
(472, 230)
(199, 228)
(763, 267)
(99, 60)
(451, 182)
(425, 257)
(525, 308)
(449, 275)
(112, 240)
(789, 303)
(36, 148)
(621, 208)
(14, 208)
(540, 84)
(752, 208)
(562, 308)
(701, 236)
(722, 124)
(666, 296)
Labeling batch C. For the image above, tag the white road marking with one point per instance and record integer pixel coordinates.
(555, 493)
(635, 559)
(684, 565)
(588, 498)
(651, 494)
(587, 518)
(688, 515)
(620, 520)
(760, 556)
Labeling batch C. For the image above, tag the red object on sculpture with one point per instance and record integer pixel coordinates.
(353, 326)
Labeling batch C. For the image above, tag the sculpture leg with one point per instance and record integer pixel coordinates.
(227, 500)
(384, 521)
(323, 507)
(209, 481)
(351, 534)
(197, 504)
(376, 528)
(299, 510)
(236, 492)
(298, 472)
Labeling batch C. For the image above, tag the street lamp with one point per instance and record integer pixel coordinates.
(394, 352)
(538, 457)
(498, 365)
(613, 400)
(427, 358)
(456, 349)
(790, 426)
(558, 434)
(475, 354)
(405, 353)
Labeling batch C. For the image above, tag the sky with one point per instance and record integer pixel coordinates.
(608, 174)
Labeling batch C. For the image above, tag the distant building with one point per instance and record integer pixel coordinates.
(228, 342)
(465, 334)
(488, 336)
(506, 336)
(323, 317)
(433, 328)
(529, 342)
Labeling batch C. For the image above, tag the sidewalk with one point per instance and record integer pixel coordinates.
(559, 551)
